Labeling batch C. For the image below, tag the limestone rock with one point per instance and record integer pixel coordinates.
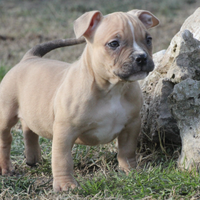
(192, 24)
(185, 106)
(171, 94)
(181, 61)
(186, 63)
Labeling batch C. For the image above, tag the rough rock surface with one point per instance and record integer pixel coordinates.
(171, 93)
(185, 105)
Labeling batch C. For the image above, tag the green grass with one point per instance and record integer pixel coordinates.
(158, 182)
(3, 71)
(98, 176)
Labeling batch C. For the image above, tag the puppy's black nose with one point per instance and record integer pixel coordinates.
(141, 58)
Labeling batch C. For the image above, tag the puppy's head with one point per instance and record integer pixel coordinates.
(120, 45)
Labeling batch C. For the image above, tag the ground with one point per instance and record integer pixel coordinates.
(27, 23)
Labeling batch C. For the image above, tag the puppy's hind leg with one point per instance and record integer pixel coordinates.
(6, 124)
(32, 147)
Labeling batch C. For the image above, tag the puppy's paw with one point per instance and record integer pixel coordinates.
(6, 168)
(33, 159)
(64, 183)
(127, 164)
(33, 156)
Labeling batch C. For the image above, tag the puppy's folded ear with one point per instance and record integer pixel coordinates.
(146, 17)
(86, 24)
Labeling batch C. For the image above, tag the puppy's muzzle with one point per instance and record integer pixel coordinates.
(138, 63)
(141, 59)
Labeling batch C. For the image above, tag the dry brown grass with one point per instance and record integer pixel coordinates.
(27, 23)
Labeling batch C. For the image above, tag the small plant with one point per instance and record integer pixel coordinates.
(3, 71)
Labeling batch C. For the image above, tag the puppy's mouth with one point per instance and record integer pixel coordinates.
(134, 70)
(133, 77)
(138, 76)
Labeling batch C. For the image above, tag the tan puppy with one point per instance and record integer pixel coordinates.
(92, 101)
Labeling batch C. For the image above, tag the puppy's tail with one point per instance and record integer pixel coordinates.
(44, 48)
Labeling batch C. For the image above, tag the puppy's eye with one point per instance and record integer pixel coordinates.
(114, 44)
(149, 40)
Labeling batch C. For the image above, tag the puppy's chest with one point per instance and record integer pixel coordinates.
(109, 118)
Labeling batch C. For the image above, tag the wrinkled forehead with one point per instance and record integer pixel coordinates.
(120, 25)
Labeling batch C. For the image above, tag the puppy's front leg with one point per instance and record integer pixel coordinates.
(127, 144)
(62, 162)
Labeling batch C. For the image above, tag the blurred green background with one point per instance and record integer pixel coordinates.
(25, 23)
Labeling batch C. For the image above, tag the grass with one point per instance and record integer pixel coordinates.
(27, 23)
(3, 71)
(98, 176)
(154, 182)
